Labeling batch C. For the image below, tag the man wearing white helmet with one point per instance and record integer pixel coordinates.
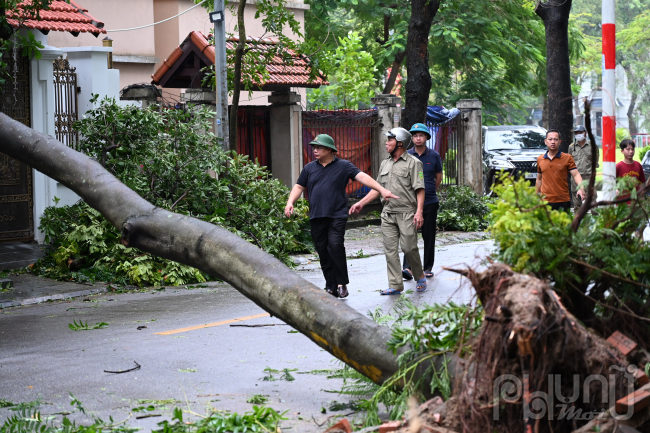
(402, 174)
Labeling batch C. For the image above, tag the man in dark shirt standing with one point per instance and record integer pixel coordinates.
(325, 180)
(432, 168)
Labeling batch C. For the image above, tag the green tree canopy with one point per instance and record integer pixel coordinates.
(352, 81)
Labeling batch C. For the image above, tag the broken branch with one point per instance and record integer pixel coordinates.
(137, 367)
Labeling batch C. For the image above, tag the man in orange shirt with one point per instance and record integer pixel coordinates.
(552, 174)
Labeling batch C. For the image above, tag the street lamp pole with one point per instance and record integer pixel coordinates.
(609, 98)
(221, 73)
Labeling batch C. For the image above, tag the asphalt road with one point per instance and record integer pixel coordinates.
(189, 354)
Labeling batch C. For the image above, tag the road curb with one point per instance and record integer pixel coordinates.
(362, 223)
(58, 297)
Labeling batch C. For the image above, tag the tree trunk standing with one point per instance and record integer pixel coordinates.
(394, 72)
(418, 82)
(555, 15)
(630, 115)
(545, 113)
(236, 85)
(344, 332)
(576, 109)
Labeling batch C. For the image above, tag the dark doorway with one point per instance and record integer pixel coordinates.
(16, 199)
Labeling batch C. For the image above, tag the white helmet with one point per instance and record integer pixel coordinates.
(400, 135)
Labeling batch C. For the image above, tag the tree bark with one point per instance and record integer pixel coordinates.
(576, 108)
(394, 72)
(418, 83)
(330, 323)
(555, 15)
(236, 85)
(630, 115)
(545, 113)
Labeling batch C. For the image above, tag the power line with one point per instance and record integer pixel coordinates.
(159, 22)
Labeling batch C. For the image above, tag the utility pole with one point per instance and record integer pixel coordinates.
(221, 72)
(609, 99)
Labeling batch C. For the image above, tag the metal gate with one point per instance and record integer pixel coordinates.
(16, 202)
(448, 140)
(254, 134)
(66, 110)
(355, 134)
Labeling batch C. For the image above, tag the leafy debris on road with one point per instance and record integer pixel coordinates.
(258, 399)
(285, 374)
(358, 255)
(187, 370)
(85, 327)
(261, 418)
(5, 403)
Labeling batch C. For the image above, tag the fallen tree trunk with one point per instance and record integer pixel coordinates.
(330, 323)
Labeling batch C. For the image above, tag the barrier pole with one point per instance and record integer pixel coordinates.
(609, 98)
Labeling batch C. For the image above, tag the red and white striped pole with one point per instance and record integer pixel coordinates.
(609, 98)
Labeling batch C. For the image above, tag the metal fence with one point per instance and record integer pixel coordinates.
(66, 110)
(254, 134)
(355, 134)
(448, 140)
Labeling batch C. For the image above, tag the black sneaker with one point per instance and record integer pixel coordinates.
(343, 291)
(334, 292)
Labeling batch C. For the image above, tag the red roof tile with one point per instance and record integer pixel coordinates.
(293, 73)
(61, 17)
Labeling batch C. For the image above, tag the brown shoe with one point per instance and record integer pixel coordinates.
(343, 291)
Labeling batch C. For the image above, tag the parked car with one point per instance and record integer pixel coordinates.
(646, 165)
(513, 149)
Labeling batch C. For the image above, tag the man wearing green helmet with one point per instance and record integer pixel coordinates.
(325, 180)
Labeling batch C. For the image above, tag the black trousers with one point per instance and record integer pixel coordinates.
(430, 214)
(565, 206)
(328, 235)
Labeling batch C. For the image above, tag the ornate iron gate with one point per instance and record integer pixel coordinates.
(448, 140)
(65, 102)
(16, 200)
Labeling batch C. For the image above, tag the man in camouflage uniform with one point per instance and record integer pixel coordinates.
(580, 150)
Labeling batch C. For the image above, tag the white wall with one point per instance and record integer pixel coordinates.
(42, 113)
(93, 77)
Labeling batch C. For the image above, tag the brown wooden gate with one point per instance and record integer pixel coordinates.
(16, 199)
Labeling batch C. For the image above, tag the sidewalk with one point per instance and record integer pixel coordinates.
(28, 289)
(14, 255)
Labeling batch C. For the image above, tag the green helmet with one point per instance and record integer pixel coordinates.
(325, 141)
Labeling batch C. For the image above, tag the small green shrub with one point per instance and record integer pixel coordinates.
(642, 151)
(171, 160)
(462, 209)
(602, 270)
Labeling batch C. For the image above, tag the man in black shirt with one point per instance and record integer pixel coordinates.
(325, 180)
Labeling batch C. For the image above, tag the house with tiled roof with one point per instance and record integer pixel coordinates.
(61, 16)
(140, 48)
(273, 126)
(29, 96)
(182, 68)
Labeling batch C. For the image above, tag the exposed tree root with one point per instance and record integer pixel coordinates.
(530, 340)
